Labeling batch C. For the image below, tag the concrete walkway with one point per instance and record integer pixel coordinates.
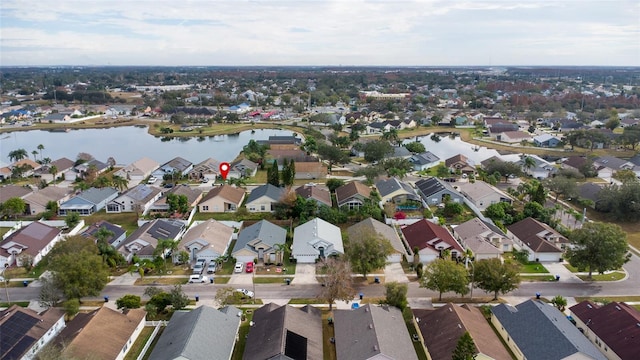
(305, 274)
(558, 269)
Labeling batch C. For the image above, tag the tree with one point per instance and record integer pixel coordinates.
(396, 294)
(528, 163)
(333, 184)
(50, 295)
(53, 170)
(17, 155)
(598, 247)
(35, 155)
(561, 185)
(164, 246)
(224, 295)
(179, 300)
(119, 182)
(539, 195)
(288, 172)
(559, 302)
(273, 174)
(491, 275)
(452, 209)
(178, 203)
(368, 251)
(415, 147)
(444, 275)
(622, 203)
(78, 269)
(14, 207)
(128, 302)
(72, 219)
(465, 348)
(310, 145)
(376, 150)
(72, 307)
(337, 282)
(40, 149)
(332, 154)
(504, 168)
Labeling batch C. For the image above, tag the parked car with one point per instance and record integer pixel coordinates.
(152, 180)
(212, 267)
(238, 268)
(249, 267)
(204, 180)
(198, 269)
(195, 278)
(245, 292)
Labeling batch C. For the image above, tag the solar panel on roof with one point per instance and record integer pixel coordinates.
(20, 348)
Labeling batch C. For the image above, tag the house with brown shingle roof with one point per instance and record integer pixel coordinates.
(27, 162)
(430, 240)
(320, 195)
(542, 242)
(310, 170)
(222, 199)
(34, 240)
(442, 327)
(207, 169)
(483, 241)
(62, 165)
(108, 334)
(139, 169)
(460, 163)
(613, 328)
(208, 240)
(13, 191)
(24, 332)
(352, 195)
(194, 196)
(37, 200)
(383, 230)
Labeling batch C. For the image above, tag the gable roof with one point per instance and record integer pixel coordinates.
(347, 191)
(590, 191)
(268, 190)
(140, 167)
(575, 161)
(189, 334)
(480, 189)
(424, 158)
(178, 163)
(442, 327)
(243, 165)
(21, 328)
(371, 331)
(141, 193)
(433, 185)
(144, 240)
(285, 330)
(97, 195)
(232, 194)
(30, 239)
(425, 234)
(472, 235)
(266, 232)
(91, 231)
(193, 194)
(533, 233)
(616, 324)
(308, 237)
(13, 191)
(387, 232)
(316, 193)
(62, 164)
(457, 159)
(542, 332)
(388, 186)
(216, 235)
(50, 193)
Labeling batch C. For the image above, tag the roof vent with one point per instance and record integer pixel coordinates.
(375, 347)
(370, 326)
(366, 309)
(618, 308)
(459, 326)
(589, 306)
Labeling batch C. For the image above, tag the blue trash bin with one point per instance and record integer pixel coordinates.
(361, 296)
(106, 299)
(25, 283)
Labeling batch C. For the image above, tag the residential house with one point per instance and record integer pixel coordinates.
(263, 198)
(193, 194)
(373, 226)
(24, 332)
(5, 173)
(285, 332)
(378, 127)
(224, 198)
(484, 164)
(372, 332)
(208, 169)
(627, 121)
(546, 140)
(87, 338)
(614, 164)
(62, 165)
(316, 239)
(400, 152)
(537, 330)
(434, 191)
(144, 240)
(93, 165)
(209, 240)
(119, 234)
(262, 240)
(28, 164)
(312, 192)
(542, 242)
(242, 169)
(430, 240)
(177, 165)
(138, 170)
(352, 195)
(38, 200)
(310, 170)
(442, 327)
(513, 137)
(541, 168)
(14, 191)
(613, 328)
(188, 335)
(482, 194)
(34, 241)
(280, 155)
(424, 161)
(396, 191)
(137, 199)
(57, 118)
(574, 163)
(483, 240)
(460, 164)
(284, 140)
(589, 191)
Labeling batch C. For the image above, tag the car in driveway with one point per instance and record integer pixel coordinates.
(197, 279)
(211, 268)
(238, 268)
(245, 292)
(249, 267)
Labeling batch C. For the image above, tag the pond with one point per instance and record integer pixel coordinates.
(445, 146)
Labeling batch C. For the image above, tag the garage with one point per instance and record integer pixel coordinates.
(394, 258)
(305, 259)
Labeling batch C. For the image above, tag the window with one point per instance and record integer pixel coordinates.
(205, 208)
(262, 207)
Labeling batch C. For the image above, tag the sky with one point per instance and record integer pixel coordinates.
(320, 32)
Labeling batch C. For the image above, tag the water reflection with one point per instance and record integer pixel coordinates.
(446, 146)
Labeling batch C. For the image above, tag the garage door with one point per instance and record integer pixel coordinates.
(394, 258)
(309, 259)
(244, 259)
(548, 257)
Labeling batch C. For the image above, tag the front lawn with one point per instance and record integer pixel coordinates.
(613, 276)
(533, 268)
(146, 281)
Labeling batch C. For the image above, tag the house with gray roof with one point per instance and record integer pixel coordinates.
(263, 198)
(546, 140)
(481, 194)
(484, 242)
(320, 195)
(62, 166)
(316, 239)
(144, 240)
(400, 152)
(285, 333)
(137, 199)
(190, 334)
(209, 240)
(259, 241)
(139, 169)
(394, 190)
(119, 234)
(38, 200)
(424, 161)
(176, 165)
(615, 164)
(537, 330)
(89, 201)
(372, 332)
(385, 231)
(433, 191)
(542, 169)
(98, 165)
(242, 168)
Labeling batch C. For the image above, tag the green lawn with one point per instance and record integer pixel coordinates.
(137, 346)
(238, 350)
(537, 278)
(614, 276)
(417, 345)
(128, 221)
(269, 280)
(533, 268)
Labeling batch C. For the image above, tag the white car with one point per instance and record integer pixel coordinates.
(197, 279)
(152, 180)
(238, 268)
(245, 292)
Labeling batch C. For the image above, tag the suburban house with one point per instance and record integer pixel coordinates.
(614, 164)
(14, 191)
(316, 239)
(119, 234)
(142, 242)
(92, 165)
(424, 161)
(513, 137)
(476, 236)
(542, 242)
(33, 241)
(263, 198)
(207, 240)
(482, 194)
(28, 164)
(430, 240)
(62, 165)
(396, 191)
(176, 165)
(574, 163)
(138, 170)
(88, 201)
(537, 330)
(242, 168)
(83, 331)
(189, 334)
(542, 169)
(57, 118)
(434, 191)
(352, 195)
(208, 169)
(442, 327)
(310, 170)
(320, 195)
(222, 198)
(372, 332)
(262, 240)
(373, 226)
(613, 328)
(193, 194)
(37, 200)
(137, 199)
(284, 332)
(546, 140)
(24, 332)
(460, 163)
(400, 152)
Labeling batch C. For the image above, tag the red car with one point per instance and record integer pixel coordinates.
(249, 267)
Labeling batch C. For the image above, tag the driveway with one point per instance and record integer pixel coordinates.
(241, 279)
(557, 269)
(305, 274)
(394, 272)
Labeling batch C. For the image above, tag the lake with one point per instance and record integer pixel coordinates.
(449, 146)
(128, 144)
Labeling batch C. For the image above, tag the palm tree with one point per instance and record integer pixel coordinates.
(17, 155)
(528, 162)
(53, 170)
(119, 182)
(40, 148)
(281, 249)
